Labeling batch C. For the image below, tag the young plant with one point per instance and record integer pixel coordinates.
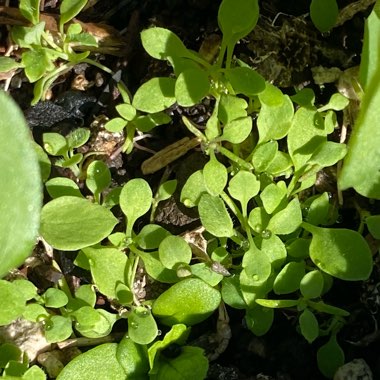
(48, 54)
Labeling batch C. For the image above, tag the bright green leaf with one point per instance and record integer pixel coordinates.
(71, 223)
(174, 250)
(142, 327)
(13, 302)
(62, 186)
(287, 220)
(245, 80)
(191, 87)
(69, 9)
(215, 176)
(309, 325)
(311, 285)
(288, 280)
(237, 130)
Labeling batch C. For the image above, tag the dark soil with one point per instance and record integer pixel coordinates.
(296, 48)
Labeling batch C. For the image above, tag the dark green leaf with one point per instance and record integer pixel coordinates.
(330, 357)
(324, 14)
(309, 325)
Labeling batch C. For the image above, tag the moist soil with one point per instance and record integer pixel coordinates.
(285, 48)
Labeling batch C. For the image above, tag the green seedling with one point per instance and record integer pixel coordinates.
(47, 55)
(64, 147)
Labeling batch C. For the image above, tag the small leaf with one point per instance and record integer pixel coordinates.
(205, 273)
(275, 250)
(62, 186)
(20, 187)
(324, 14)
(69, 9)
(236, 18)
(245, 80)
(173, 305)
(299, 248)
(337, 102)
(71, 223)
(231, 293)
(288, 220)
(98, 177)
(191, 87)
(340, 252)
(288, 280)
(274, 121)
(215, 176)
(155, 95)
(30, 9)
(277, 304)
(142, 327)
(319, 209)
(97, 363)
(237, 130)
(8, 64)
(162, 43)
(273, 195)
(259, 319)
(166, 190)
(54, 143)
(243, 187)
(135, 200)
(55, 298)
(151, 236)
(36, 63)
(309, 325)
(330, 357)
(78, 137)
(311, 285)
(107, 268)
(256, 266)
(328, 154)
(263, 155)
(116, 124)
(146, 123)
(127, 111)
(57, 328)
(231, 108)
(193, 189)
(214, 216)
(174, 250)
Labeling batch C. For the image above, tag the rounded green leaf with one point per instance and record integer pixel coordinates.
(288, 280)
(61, 186)
(57, 328)
(275, 250)
(55, 298)
(215, 176)
(107, 268)
(273, 195)
(116, 124)
(311, 285)
(127, 111)
(309, 325)
(263, 155)
(54, 143)
(373, 224)
(259, 319)
(340, 252)
(192, 85)
(231, 292)
(142, 327)
(78, 137)
(98, 363)
(98, 177)
(237, 130)
(20, 187)
(174, 250)
(330, 357)
(71, 223)
(13, 302)
(324, 14)
(236, 18)
(151, 236)
(135, 200)
(155, 95)
(277, 304)
(288, 220)
(257, 266)
(189, 301)
(193, 189)
(214, 216)
(161, 43)
(245, 80)
(69, 9)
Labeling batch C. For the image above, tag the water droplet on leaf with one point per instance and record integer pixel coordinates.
(266, 234)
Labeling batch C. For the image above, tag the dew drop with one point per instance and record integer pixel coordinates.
(266, 234)
(256, 277)
(159, 332)
(134, 325)
(258, 228)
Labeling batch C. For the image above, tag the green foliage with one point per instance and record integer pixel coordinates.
(323, 14)
(20, 187)
(48, 54)
(261, 233)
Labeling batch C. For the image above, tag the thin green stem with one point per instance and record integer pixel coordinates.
(233, 157)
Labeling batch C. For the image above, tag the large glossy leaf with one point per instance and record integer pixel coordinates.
(71, 223)
(20, 187)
